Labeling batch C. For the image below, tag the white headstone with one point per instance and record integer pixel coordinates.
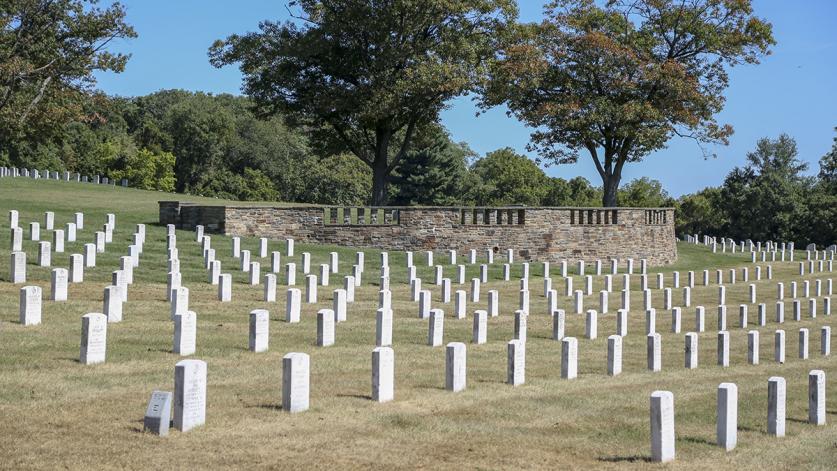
(311, 289)
(779, 346)
(30, 305)
(383, 374)
(662, 426)
(225, 287)
(455, 371)
(293, 305)
(776, 397)
(112, 304)
(569, 358)
(189, 394)
(816, 397)
(94, 328)
(185, 333)
(325, 327)
(179, 301)
(516, 364)
(753, 347)
(259, 330)
(436, 328)
(653, 343)
(614, 355)
(295, 382)
(44, 254)
(17, 267)
(383, 327)
(58, 282)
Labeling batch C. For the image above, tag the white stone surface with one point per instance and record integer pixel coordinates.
(455, 368)
(94, 328)
(189, 394)
(295, 382)
(383, 374)
(259, 330)
(185, 333)
(662, 426)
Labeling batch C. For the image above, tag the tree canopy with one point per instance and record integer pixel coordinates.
(49, 50)
(364, 77)
(618, 79)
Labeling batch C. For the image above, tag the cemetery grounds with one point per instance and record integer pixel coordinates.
(55, 412)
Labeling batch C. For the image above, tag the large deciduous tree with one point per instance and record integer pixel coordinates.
(365, 75)
(618, 79)
(49, 50)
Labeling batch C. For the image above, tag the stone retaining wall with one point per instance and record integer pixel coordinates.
(542, 234)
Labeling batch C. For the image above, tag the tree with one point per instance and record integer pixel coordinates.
(433, 175)
(508, 178)
(339, 181)
(822, 202)
(365, 76)
(49, 51)
(765, 200)
(828, 167)
(574, 192)
(201, 131)
(146, 170)
(619, 80)
(700, 213)
(645, 193)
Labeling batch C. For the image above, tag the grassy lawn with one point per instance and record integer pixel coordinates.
(55, 412)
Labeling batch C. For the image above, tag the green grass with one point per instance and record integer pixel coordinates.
(55, 412)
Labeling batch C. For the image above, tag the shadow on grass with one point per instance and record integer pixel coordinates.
(697, 440)
(357, 396)
(623, 459)
(798, 421)
(266, 406)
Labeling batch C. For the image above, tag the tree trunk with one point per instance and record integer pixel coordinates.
(380, 177)
(380, 166)
(610, 187)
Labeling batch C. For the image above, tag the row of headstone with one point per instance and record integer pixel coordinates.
(62, 176)
(726, 432)
(31, 297)
(296, 397)
(742, 246)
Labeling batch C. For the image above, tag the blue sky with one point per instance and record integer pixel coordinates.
(792, 91)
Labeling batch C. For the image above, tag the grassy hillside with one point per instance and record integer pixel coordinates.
(55, 412)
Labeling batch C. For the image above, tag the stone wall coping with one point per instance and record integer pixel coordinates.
(419, 208)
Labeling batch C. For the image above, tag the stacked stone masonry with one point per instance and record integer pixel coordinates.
(539, 234)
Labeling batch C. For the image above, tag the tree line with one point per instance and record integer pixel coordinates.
(342, 105)
(209, 145)
(769, 198)
(366, 81)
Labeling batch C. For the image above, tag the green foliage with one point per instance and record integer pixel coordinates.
(768, 199)
(147, 170)
(700, 213)
(828, 168)
(574, 192)
(49, 52)
(339, 180)
(433, 175)
(201, 130)
(507, 178)
(645, 193)
(618, 79)
(364, 76)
